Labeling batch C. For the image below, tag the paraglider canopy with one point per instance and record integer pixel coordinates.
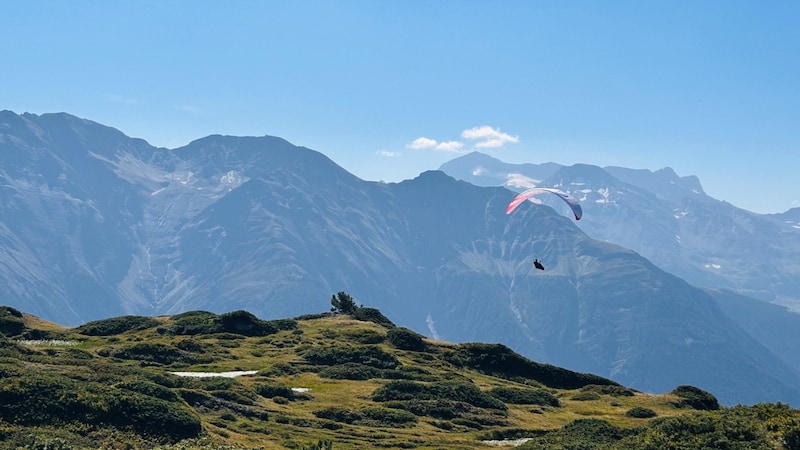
(526, 195)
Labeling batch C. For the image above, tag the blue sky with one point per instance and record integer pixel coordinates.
(388, 89)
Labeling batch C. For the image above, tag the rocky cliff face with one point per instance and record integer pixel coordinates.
(96, 224)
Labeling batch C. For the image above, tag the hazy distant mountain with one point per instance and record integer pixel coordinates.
(669, 220)
(96, 224)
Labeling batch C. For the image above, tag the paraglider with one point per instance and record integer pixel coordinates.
(526, 195)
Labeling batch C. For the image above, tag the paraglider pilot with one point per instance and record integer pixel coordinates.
(537, 264)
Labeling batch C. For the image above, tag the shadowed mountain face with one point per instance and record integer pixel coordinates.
(96, 224)
(669, 220)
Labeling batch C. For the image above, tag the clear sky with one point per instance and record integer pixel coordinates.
(388, 89)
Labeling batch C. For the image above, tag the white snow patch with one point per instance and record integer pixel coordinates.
(478, 171)
(507, 442)
(300, 389)
(215, 374)
(47, 342)
(432, 327)
(518, 180)
(712, 266)
(604, 192)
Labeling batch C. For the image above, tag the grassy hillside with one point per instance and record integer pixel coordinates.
(330, 381)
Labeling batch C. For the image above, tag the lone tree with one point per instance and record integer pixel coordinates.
(343, 303)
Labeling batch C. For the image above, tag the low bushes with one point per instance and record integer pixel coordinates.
(525, 396)
(453, 391)
(44, 399)
(368, 355)
(237, 322)
(116, 325)
(374, 416)
(695, 398)
(405, 339)
(641, 413)
(501, 361)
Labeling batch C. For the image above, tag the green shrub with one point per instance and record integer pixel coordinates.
(586, 396)
(148, 388)
(271, 390)
(368, 355)
(499, 360)
(389, 417)
(116, 325)
(338, 414)
(366, 337)
(525, 396)
(695, 398)
(245, 323)
(193, 323)
(641, 413)
(372, 315)
(405, 339)
(283, 324)
(451, 391)
(350, 371)
(609, 389)
(158, 353)
(11, 323)
(241, 397)
(29, 400)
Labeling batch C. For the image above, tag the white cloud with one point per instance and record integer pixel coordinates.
(489, 137)
(422, 143)
(518, 180)
(449, 146)
(387, 153)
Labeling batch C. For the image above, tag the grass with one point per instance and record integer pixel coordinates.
(232, 415)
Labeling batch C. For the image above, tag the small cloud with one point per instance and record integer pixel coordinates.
(489, 137)
(387, 153)
(422, 143)
(449, 146)
(518, 180)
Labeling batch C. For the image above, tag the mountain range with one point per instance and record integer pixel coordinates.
(669, 220)
(97, 224)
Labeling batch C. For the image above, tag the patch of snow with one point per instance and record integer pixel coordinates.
(518, 180)
(604, 192)
(300, 389)
(432, 327)
(712, 266)
(47, 342)
(507, 442)
(215, 374)
(680, 214)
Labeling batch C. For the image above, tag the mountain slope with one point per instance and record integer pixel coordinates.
(230, 223)
(669, 220)
(200, 380)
